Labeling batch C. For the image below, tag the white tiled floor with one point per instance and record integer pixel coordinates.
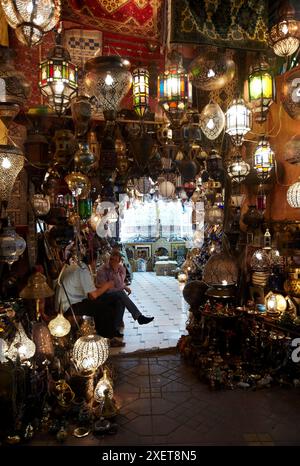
(162, 298)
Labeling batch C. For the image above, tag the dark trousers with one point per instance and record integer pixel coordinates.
(106, 311)
(126, 303)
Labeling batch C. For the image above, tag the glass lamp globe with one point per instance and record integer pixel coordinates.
(263, 159)
(166, 189)
(293, 195)
(212, 120)
(11, 163)
(90, 352)
(238, 121)
(60, 326)
(109, 80)
(261, 90)
(21, 346)
(102, 386)
(31, 19)
(238, 169)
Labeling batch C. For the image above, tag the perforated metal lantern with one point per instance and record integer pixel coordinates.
(89, 353)
(293, 195)
(220, 270)
(212, 120)
(109, 80)
(11, 163)
(211, 71)
(31, 19)
(284, 35)
(12, 245)
(238, 169)
(238, 121)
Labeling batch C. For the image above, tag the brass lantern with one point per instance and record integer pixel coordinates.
(211, 71)
(140, 91)
(238, 121)
(174, 90)
(261, 90)
(11, 163)
(108, 79)
(238, 169)
(263, 159)
(31, 19)
(284, 35)
(79, 184)
(212, 120)
(90, 352)
(58, 80)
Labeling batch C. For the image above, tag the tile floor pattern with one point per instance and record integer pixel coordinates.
(163, 403)
(162, 298)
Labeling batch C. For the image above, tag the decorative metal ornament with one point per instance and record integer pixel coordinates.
(12, 245)
(211, 71)
(238, 169)
(108, 79)
(220, 270)
(263, 159)
(261, 86)
(11, 163)
(140, 91)
(293, 195)
(290, 95)
(174, 91)
(58, 79)
(212, 120)
(31, 19)
(79, 185)
(260, 261)
(238, 121)
(284, 36)
(90, 352)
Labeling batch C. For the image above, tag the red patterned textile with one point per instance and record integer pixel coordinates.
(135, 17)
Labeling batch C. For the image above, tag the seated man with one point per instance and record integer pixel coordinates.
(77, 289)
(114, 271)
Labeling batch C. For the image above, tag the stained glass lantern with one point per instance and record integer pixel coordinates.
(174, 92)
(293, 195)
(238, 121)
(109, 80)
(31, 19)
(261, 86)
(140, 91)
(90, 352)
(292, 151)
(238, 169)
(284, 35)
(263, 159)
(212, 120)
(11, 163)
(58, 79)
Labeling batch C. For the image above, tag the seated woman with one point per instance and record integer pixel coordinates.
(77, 290)
(115, 272)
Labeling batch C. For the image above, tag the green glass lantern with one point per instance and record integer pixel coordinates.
(140, 91)
(58, 80)
(263, 159)
(85, 207)
(261, 90)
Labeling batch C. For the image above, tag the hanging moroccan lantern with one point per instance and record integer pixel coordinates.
(263, 159)
(284, 35)
(79, 184)
(90, 352)
(140, 91)
(292, 151)
(238, 169)
(21, 346)
(31, 19)
(174, 91)
(40, 204)
(166, 189)
(109, 80)
(238, 121)
(211, 71)
(261, 86)
(12, 245)
(290, 95)
(212, 120)
(11, 163)
(58, 79)
(293, 195)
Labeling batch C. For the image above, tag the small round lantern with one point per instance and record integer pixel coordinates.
(59, 326)
(211, 71)
(260, 261)
(41, 204)
(12, 245)
(275, 303)
(90, 352)
(220, 270)
(284, 35)
(212, 120)
(143, 185)
(79, 184)
(21, 346)
(293, 195)
(238, 169)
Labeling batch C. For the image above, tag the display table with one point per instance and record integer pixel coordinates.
(165, 267)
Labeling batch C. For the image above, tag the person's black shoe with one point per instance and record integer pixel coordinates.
(118, 334)
(144, 320)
